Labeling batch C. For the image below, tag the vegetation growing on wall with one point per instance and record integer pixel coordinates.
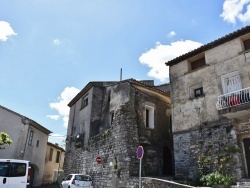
(214, 165)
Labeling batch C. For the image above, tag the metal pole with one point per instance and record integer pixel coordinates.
(140, 175)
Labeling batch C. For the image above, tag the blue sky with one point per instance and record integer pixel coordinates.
(50, 49)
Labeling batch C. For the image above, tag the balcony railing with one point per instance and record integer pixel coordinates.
(233, 99)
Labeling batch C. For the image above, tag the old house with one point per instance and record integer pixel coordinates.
(29, 141)
(53, 170)
(210, 88)
(110, 120)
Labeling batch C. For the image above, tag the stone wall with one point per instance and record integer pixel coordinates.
(209, 148)
(116, 146)
(117, 143)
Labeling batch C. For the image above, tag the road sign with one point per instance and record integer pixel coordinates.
(98, 159)
(139, 152)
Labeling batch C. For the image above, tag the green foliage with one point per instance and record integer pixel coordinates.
(231, 149)
(217, 178)
(119, 173)
(79, 145)
(5, 139)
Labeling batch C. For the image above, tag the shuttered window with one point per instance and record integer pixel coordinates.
(198, 63)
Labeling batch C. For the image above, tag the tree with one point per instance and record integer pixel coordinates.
(4, 139)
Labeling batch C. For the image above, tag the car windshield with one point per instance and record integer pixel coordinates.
(83, 178)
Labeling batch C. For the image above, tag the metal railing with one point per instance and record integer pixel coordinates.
(233, 99)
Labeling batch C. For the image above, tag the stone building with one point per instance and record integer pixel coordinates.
(210, 107)
(53, 170)
(29, 141)
(110, 120)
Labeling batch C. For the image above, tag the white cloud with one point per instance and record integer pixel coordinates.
(233, 10)
(156, 57)
(54, 117)
(171, 34)
(56, 42)
(5, 31)
(62, 104)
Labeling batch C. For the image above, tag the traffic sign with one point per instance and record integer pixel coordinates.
(98, 159)
(139, 152)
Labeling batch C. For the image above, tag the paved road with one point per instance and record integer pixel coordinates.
(49, 186)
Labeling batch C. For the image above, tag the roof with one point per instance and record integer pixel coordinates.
(210, 45)
(55, 146)
(86, 89)
(32, 122)
(110, 83)
(152, 88)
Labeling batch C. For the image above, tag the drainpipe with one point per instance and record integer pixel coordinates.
(25, 122)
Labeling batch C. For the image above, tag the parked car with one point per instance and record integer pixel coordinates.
(77, 181)
(14, 173)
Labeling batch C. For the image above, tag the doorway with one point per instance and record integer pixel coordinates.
(246, 142)
(167, 162)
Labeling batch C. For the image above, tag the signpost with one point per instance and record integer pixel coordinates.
(98, 160)
(139, 154)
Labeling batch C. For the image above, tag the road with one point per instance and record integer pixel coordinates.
(48, 186)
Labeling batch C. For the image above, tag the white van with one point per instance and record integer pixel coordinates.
(14, 173)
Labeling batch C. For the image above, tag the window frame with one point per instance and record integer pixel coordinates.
(85, 102)
(194, 88)
(246, 44)
(51, 151)
(227, 76)
(58, 154)
(149, 117)
(200, 89)
(31, 136)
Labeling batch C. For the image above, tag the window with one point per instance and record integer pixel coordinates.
(57, 156)
(231, 82)
(37, 143)
(198, 92)
(69, 177)
(112, 117)
(109, 96)
(17, 169)
(149, 117)
(247, 44)
(50, 154)
(84, 102)
(198, 63)
(4, 169)
(8, 169)
(30, 138)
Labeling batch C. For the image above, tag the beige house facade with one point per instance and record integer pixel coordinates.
(29, 141)
(210, 102)
(53, 170)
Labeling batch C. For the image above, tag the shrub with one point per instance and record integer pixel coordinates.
(217, 178)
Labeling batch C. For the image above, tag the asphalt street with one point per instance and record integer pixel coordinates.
(48, 186)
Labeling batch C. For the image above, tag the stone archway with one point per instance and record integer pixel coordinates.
(34, 175)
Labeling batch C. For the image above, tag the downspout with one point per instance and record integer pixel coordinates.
(25, 122)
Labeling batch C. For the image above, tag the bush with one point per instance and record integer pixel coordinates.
(217, 178)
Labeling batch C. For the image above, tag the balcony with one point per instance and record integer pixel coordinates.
(235, 104)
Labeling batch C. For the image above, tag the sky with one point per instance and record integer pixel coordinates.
(51, 49)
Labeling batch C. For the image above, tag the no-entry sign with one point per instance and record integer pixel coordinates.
(139, 152)
(98, 159)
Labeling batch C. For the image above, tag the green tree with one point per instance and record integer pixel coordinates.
(4, 139)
